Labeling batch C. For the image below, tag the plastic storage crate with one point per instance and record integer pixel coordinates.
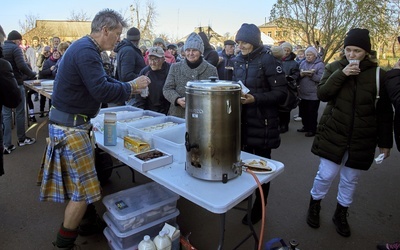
(132, 238)
(146, 128)
(172, 141)
(137, 206)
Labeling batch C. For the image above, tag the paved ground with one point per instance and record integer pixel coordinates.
(26, 223)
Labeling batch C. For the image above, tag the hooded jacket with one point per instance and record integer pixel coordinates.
(352, 121)
(129, 61)
(210, 54)
(260, 72)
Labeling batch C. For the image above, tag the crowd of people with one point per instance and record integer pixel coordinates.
(100, 68)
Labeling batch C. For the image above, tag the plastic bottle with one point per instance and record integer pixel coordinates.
(162, 241)
(147, 244)
(110, 129)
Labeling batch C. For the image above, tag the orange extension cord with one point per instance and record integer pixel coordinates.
(260, 242)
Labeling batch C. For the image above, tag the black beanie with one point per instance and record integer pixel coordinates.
(14, 35)
(359, 38)
(249, 33)
(133, 34)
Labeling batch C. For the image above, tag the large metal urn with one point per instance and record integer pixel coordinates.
(212, 136)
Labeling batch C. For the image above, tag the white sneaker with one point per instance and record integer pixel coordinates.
(297, 119)
(27, 141)
(296, 115)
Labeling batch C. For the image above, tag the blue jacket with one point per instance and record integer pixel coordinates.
(129, 61)
(81, 83)
(263, 75)
(225, 73)
(14, 55)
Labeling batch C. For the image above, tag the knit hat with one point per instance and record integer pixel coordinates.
(159, 40)
(133, 34)
(156, 51)
(14, 35)
(249, 33)
(229, 42)
(47, 48)
(312, 50)
(358, 37)
(194, 41)
(287, 45)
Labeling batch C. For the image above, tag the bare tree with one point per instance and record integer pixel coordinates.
(29, 23)
(143, 18)
(79, 16)
(328, 21)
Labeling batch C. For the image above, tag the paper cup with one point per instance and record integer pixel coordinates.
(355, 61)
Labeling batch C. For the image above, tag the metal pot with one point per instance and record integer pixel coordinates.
(213, 130)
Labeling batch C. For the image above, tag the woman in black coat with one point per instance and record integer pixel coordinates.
(262, 74)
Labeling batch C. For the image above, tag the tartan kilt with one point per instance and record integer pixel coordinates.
(69, 170)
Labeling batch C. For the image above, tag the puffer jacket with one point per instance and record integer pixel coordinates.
(262, 74)
(352, 121)
(129, 61)
(179, 74)
(10, 96)
(392, 83)
(290, 66)
(14, 55)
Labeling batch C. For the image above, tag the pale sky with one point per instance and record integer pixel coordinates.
(176, 18)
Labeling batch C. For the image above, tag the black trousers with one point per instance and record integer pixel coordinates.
(263, 152)
(284, 118)
(309, 114)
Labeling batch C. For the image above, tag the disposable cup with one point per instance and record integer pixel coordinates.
(354, 61)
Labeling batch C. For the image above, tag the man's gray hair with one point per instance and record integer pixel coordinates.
(107, 18)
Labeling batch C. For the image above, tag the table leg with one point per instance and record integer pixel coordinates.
(222, 231)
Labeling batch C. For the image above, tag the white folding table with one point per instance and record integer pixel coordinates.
(215, 196)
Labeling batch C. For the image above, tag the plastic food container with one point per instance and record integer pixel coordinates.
(132, 238)
(172, 141)
(138, 206)
(146, 128)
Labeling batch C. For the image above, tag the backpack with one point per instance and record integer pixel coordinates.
(292, 99)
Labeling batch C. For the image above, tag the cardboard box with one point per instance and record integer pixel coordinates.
(136, 145)
(148, 164)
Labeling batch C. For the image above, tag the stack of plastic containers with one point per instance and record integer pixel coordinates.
(136, 212)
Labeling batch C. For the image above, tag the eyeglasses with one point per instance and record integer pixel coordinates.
(155, 59)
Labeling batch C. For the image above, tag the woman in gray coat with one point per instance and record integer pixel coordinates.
(192, 68)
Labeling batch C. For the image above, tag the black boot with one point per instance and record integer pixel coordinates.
(340, 220)
(256, 211)
(313, 213)
(91, 222)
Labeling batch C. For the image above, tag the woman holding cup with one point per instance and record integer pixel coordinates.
(351, 127)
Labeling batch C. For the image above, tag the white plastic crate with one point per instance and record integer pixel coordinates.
(132, 238)
(146, 128)
(172, 141)
(140, 205)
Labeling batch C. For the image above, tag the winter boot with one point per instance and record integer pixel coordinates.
(313, 213)
(340, 220)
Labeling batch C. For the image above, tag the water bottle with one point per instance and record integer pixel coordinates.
(147, 244)
(162, 241)
(145, 92)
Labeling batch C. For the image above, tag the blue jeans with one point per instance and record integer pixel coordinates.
(20, 120)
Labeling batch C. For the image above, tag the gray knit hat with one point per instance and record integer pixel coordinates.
(194, 41)
(159, 40)
(133, 34)
(249, 33)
